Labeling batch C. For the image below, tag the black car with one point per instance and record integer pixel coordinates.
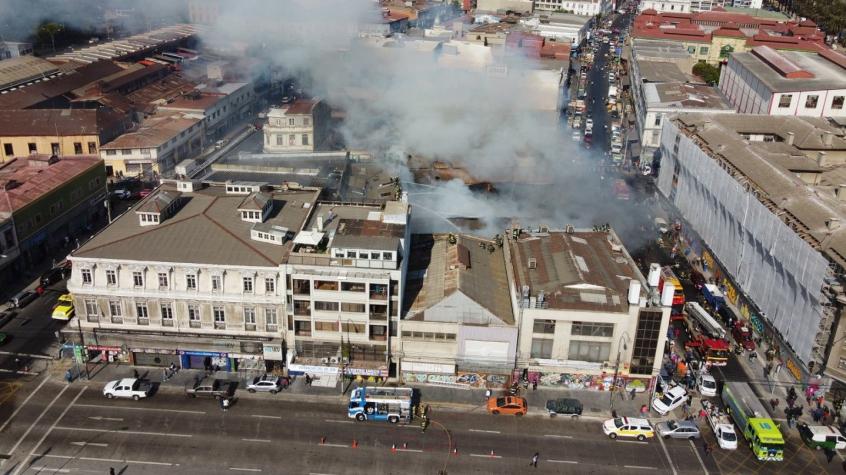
(565, 407)
(7, 316)
(23, 299)
(52, 276)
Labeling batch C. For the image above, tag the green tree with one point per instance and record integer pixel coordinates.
(51, 29)
(709, 73)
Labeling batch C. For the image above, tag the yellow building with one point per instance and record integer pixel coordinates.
(62, 132)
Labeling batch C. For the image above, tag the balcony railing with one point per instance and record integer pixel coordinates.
(143, 321)
(302, 332)
(220, 325)
(167, 322)
(117, 319)
(93, 318)
(194, 324)
(250, 327)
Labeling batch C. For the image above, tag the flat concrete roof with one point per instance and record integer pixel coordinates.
(827, 75)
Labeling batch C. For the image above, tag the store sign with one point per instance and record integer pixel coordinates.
(154, 351)
(309, 369)
(273, 352)
(730, 292)
(794, 369)
(366, 371)
(202, 353)
(103, 348)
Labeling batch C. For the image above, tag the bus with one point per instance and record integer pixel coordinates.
(668, 277)
(383, 404)
(752, 419)
(706, 335)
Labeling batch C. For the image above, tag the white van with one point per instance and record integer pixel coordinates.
(822, 437)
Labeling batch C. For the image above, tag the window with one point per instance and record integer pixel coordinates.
(111, 152)
(541, 348)
(592, 329)
(388, 256)
(291, 121)
(592, 351)
(812, 101)
(215, 281)
(270, 319)
(703, 50)
(138, 279)
(77, 148)
(350, 327)
(91, 308)
(8, 149)
(92, 147)
(54, 148)
(191, 282)
(126, 151)
(691, 49)
(305, 139)
(353, 286)
(219, 316)
(292, 139)
(167, 315)
(657, 120)
(86, 276)
(544, 326)
(784, 101)
(163, 280)
(280, 140)
(352, 307)
(248, 285)
(114, 309)
(326, 326)
(32, 147)
(111, 277)
(326, 306)
(249, 318)
(141, 312)
(837, 102)
(645, 341)
(269, 285)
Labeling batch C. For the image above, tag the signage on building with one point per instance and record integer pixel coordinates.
(103, 348)
(153, 351)
(273, 352)
(202, 353)
(302, 368)
(794, 369)
(366, 371)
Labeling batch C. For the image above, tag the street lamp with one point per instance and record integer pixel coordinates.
(617, 366)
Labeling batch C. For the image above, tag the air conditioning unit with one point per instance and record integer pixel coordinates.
(324, 360)
(334, 360)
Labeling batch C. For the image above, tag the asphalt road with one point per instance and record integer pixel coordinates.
(31, 333)
(58, 428)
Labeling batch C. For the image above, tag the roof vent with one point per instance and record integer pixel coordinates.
(533, 263)
(790, 138)
(832, 224)
(827, 138)
(840, 192)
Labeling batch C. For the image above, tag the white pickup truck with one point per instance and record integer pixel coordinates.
(721, 424)
(131, 388)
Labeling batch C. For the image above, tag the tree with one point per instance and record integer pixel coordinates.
(710, 74)
(51, 29)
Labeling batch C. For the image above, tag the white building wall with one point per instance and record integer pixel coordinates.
(777, 269)
(661, 6)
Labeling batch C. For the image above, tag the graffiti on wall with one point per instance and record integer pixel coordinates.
(601, 382)
(468, 380)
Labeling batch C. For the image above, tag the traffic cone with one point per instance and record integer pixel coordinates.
(405, 445)
(492, 453)
(322, 440)
(455, 451)
(393, 448)
(355, 444)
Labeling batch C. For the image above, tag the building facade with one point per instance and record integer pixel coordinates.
(221, 107)
(662, 6)
(154, 149)
(301, 127)
(578, 7)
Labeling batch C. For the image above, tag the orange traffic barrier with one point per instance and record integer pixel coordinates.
(393, 447)
(355, 444)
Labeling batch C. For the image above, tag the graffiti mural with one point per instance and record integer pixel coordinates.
(467, 380)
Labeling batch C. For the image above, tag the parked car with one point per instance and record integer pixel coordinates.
(23, 298)
(52, 276)
(678, 430)
(628, 427)
(509, 405)
(6, 316)
(670, 400)
(266, 383)
(211, 387)
(822, 437)
(707, 385)
(122, 193)
(145, 192)
(743, 336)
(565, 407)
(63, 309)
(130, 388)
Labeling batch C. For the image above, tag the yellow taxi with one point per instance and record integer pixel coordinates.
(628, 427)
(64, 308)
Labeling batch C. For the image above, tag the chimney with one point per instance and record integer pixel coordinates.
(840, 192)
(790, 137)
(822, 160)
(832, 224)
(827, 138)
(320, 223)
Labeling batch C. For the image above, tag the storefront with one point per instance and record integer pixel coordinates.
(205, 360)
(295, 369)
(106, 354)
(155, 357)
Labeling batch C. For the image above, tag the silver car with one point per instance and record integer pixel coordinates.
(678, 430)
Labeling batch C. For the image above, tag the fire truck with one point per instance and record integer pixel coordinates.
(705, 335)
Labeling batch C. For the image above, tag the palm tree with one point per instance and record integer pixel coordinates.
(51, 30)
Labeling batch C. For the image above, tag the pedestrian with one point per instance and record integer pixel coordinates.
(535, 385)
(706, 447)
(308, 380)
(703, 414)
(534, 462)
(111, 471)
(829, 455)
(633, 393)
(224, 403)
(135, 373)
(644, 410)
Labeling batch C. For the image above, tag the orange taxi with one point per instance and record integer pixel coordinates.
(510, 405)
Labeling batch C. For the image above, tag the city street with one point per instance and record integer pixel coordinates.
(63, 428)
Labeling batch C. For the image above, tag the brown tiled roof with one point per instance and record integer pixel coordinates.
(56, 122)
(43, 91)
(301, 106)
(37, 176)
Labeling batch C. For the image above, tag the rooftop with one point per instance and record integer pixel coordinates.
(26, 179)
(358, 226)
(14, 71)
(575, 271)
(789, 71)
(675, 95)
(31, 95)
(758, 147)
(473, 266)
(153, 132)
(136, 44)
(58, 122)
(206, 229)
(193, 101)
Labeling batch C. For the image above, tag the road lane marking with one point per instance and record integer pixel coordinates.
(485, 431)
(130, 408)
(335, 445)
(696, 452)
(667, 454)
(145, 462)
(24, 404)
(94, 444)
(410, 450)
(641, 467)
(267, 441)
(632, 442)
(262, 416)
(46, 469)
(139, 462)
(97, 459)
(339, 421)
(132, 432)
(562, 461)
(556, 436)
(50, 430)
(241, 469)
(487, 456)
(101, 418)
(37, 420)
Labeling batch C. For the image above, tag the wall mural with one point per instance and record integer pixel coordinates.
(469, 380)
